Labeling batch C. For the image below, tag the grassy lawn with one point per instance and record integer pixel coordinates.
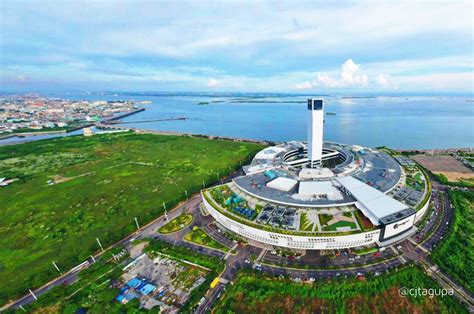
(342, 223)
(257, 293)
(455, 254)
(198, 236)
(324, 218)
(103, 183)
(180, 222)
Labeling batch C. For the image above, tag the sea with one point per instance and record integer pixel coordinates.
(397, 121)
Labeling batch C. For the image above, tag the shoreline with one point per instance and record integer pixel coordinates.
(215, 137)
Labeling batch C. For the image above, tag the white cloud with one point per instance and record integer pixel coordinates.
(213, 83)
(382, 80)
(304, 85)
(348, 78)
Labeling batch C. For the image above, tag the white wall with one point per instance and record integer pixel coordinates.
(292, 241)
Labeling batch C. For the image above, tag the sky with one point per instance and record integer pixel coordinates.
(245, 46)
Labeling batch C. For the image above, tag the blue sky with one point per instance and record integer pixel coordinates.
(273, 46)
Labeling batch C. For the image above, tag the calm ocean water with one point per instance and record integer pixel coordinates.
(406, 122)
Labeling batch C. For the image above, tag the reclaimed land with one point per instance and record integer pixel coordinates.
(257, 293)
(97, 186)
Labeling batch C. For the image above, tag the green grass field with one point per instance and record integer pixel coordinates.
(257, 293)
(102, 183)
(342, 223)
(455, 254)
(198, 236)
(180, 222)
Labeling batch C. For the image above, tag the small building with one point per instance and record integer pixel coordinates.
(88, 132)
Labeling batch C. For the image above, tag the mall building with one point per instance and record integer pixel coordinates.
(317, 195)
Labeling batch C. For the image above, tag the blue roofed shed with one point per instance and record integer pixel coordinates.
(134, 283)
(147, 289)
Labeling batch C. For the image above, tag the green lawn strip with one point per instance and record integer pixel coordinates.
(180, 222)
(253, 292)
(365, 250)
(455, 255)
(109, 180)
(200, 237)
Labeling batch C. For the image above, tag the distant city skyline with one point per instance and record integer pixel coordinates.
(304, 47)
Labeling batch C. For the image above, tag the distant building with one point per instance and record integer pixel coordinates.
(88, 132)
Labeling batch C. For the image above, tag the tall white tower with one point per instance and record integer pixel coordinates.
(315, 131)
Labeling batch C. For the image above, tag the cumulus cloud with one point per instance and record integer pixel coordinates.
(348, 77)
(213, 83)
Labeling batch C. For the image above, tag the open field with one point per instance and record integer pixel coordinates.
(255, 293)
(110, 180)
(446, 165)
(455, 255)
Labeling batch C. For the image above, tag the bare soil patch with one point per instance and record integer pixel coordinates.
(443, 164)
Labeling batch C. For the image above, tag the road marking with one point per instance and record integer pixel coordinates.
(230, 251)
(261, 255)
(421, 247)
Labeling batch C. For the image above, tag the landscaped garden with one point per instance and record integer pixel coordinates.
(227, 199)
(180, 222)
(75, 189)
(198, 236)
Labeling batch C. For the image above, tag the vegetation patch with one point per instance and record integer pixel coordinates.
(93, 292)
(324, 219)
(113, 179)
(363, 221)
(180, 222)
(455, 254)
(463, 182)
(340, 224)
(198, 236)
(365, 250)
(305, 223)
(256, 293)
